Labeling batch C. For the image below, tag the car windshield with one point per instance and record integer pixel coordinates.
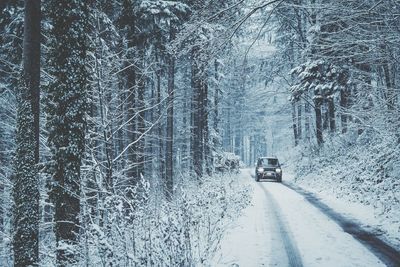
(267, 162)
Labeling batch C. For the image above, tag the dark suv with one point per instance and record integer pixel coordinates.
(268, 167)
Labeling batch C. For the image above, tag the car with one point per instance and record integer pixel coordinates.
(268, 167)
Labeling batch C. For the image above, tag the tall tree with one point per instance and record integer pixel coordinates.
(26, 181)
(66, 108)
(199, 88)
(11, 43)
(127, 22)
(170, 121)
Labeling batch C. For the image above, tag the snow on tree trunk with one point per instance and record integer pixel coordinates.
(197, 146)
(66, 124)
(169, 161)
(26, 180)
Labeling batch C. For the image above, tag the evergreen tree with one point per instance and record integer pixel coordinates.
(66, 109)
(26, 181)
(11, 34)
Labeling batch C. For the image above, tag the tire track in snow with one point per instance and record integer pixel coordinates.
(386, 253)
(292, 252)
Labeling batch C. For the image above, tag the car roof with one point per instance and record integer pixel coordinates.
(268, 158)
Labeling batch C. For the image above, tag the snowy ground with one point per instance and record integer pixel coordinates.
(369, 216)
(358, 176)
(281, 228)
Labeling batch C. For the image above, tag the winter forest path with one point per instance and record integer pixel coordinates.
(282, 228)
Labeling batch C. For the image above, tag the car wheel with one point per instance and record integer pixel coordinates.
(257, 178)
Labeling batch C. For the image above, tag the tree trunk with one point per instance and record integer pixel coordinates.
(66, 120)
(325, 115)
(105, 131)
(216, 139)
(216, 102)
(299, 118)
(390, 95)
(186, 125)
(141, 127)
(206, 130)
(307, 127)
(296, 139)
(132, 76)
(131, 126)
(227, 137)
(331, 112)
(169, 159)
(318, 118)
(26, 183)
(343, 106)
(161, 155)
(365, 91)
(197, 146)
(238, 141)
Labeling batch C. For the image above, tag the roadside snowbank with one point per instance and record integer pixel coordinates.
(360, 179)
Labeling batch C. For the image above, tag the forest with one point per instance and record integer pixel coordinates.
(121, 122)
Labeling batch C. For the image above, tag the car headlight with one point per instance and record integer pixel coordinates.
(278, 170)
(260, 170)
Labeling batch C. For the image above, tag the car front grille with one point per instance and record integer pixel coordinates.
(269, 169)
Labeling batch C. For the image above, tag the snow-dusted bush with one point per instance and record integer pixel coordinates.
(227, 162)
(149, 231)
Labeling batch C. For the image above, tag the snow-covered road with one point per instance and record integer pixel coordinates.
(282, 228)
